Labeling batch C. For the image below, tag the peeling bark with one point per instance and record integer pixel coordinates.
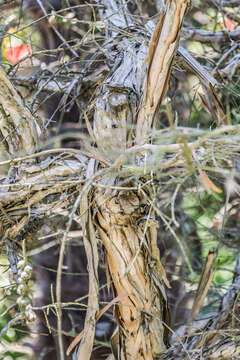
(117, 104)
(128, 231)
(163, 48)
(126, 223)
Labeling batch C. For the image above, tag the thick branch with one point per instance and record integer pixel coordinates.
(19, 130)
(129, 235)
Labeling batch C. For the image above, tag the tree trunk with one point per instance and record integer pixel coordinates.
(123, 219)
(126, 220)
(115, 202)
(128, 231)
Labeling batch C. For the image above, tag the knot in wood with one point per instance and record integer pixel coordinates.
(118, 100)
(122, 209)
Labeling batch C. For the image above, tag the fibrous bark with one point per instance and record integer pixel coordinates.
(163, 48)
(120, 212)
(125, 219)
(127, 229)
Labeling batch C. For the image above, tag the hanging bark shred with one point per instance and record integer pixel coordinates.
(90, 244)
(208, 184)
(78, 338)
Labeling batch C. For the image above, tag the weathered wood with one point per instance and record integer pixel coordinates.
(90, 244)
(117, 103)
(19, 130)
(163, 48)
(128, 231)
(125, 219)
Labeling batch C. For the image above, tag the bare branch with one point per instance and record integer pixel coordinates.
(224, 3)
(204, 36)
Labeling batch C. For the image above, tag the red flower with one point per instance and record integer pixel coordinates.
(229, 24)
(16, 53)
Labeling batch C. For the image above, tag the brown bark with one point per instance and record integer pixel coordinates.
(163, 48)
(123, 219)
(126, 223)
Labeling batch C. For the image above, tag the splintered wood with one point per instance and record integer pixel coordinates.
(163, 48)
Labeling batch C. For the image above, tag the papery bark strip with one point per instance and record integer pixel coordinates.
(163, 47)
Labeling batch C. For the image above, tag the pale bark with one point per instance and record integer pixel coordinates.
(126, 223)
(123, 220)
(19, 130)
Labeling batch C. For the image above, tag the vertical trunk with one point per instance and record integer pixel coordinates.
(128, 231)
(125, 218)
